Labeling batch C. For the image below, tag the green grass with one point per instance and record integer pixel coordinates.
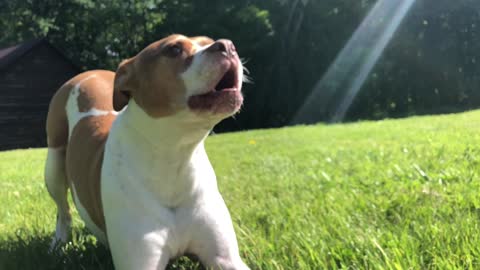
(396, 194)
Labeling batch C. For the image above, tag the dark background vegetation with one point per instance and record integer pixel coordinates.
(430, 66)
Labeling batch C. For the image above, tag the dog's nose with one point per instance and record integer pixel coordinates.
(223, 45)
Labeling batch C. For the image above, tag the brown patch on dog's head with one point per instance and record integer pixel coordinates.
(152, 78)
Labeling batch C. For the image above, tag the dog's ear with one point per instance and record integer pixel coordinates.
(124, 84)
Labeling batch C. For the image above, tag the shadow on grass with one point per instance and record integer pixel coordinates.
(31, 252)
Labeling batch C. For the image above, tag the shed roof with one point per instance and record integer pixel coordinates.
(11, 54)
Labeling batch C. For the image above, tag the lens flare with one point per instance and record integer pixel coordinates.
(335, 92)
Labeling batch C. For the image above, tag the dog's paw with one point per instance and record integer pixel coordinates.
(55, 245)
(62, 235)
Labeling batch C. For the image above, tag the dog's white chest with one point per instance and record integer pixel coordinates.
(159, 194)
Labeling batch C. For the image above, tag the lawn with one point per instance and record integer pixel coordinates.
(394, 194)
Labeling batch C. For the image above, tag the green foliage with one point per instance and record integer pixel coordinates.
(98, 34)
(430, 66)
(396, 194)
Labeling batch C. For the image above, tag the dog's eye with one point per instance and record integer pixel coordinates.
(174, 50)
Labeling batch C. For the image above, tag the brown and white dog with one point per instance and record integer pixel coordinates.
(140, 178)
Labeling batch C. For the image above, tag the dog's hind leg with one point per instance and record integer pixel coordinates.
(56, 182)
(55, 172)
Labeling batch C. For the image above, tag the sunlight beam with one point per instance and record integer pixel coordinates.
(335, 92)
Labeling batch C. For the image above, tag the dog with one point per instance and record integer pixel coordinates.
(130, 147)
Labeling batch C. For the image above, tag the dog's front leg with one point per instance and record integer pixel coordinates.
(137, 243)
(215, 242)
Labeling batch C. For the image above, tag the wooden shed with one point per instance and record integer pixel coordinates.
(30, 73)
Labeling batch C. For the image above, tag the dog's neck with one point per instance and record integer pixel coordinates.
(169, 135)
(167, 153)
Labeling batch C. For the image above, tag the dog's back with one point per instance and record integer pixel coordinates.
(79, 119)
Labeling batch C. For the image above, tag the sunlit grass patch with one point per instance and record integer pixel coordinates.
(395, 194)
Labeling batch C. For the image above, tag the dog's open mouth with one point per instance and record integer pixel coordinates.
(224, 98)
(229, 80)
